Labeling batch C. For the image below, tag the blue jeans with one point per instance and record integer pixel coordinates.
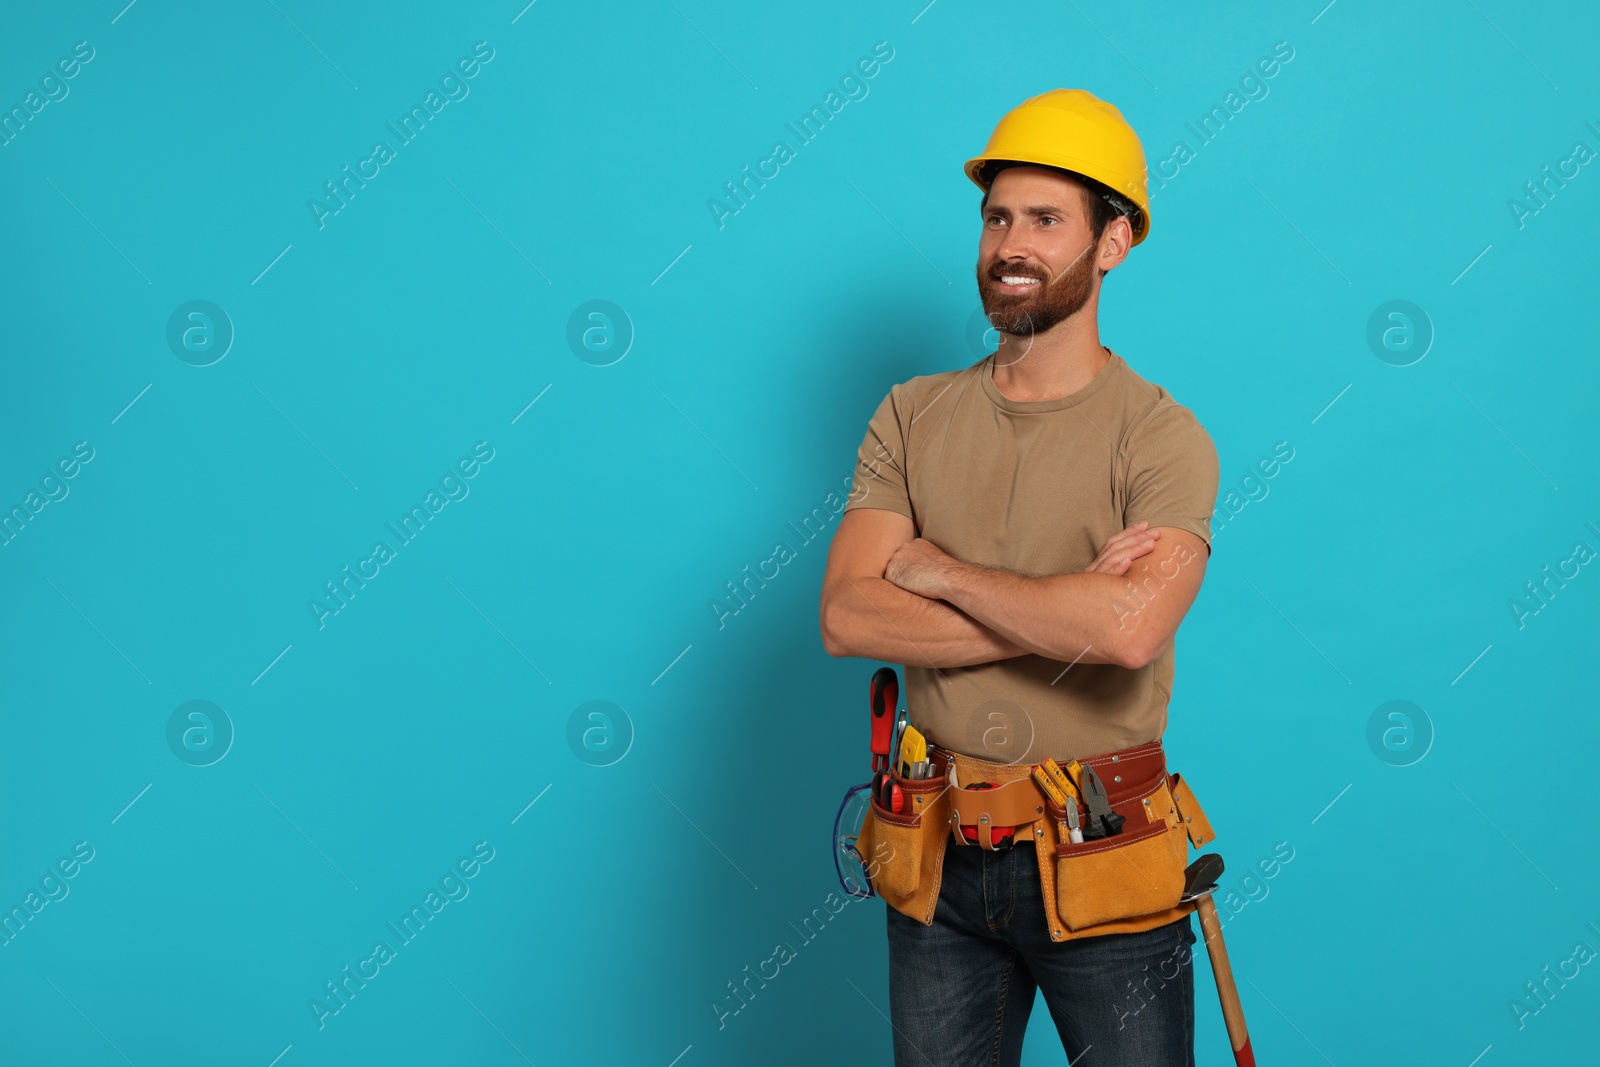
(961, 990)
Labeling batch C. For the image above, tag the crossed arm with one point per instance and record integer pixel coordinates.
(892, 596)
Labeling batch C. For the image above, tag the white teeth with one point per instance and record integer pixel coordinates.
(1012, 279)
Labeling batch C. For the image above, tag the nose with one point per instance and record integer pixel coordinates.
(1013, 248)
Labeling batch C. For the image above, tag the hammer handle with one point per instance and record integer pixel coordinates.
(1227, 992)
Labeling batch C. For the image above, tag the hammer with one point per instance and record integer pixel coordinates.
(1199, 883)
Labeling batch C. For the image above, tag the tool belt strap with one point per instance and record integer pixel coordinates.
(1127, 774)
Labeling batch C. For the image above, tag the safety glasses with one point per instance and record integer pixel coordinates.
(852, 812)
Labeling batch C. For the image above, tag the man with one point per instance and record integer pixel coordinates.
(970, 558)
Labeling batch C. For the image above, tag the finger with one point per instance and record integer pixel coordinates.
(1131, 535)
(1120, 535)
(1111, 563)
(1143, 546)
(1119, 562)
(1123, 547)
(1123, 556)
(1129, 531)
(1114, 551)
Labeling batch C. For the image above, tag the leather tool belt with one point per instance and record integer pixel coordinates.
(1123, 883)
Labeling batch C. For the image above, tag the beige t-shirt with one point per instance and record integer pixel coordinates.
(1037, 487)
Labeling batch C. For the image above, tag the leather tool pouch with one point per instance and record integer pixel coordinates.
(1122, 883)
(903, 853)
(1139, 871)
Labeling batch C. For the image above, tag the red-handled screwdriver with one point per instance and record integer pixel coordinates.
(884, 696)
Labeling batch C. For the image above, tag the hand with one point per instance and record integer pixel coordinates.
(1123, 548)
(919, 567)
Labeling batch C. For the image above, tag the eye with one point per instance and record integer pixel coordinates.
(1048, 218)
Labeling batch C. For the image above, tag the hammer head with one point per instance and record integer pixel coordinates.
(1200, 877)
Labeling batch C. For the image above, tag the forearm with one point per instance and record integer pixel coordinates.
(1068, 617)
(876, 619)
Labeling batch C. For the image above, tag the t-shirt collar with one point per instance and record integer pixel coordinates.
(1023, 407)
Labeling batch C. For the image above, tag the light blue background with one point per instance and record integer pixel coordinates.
(430, 312)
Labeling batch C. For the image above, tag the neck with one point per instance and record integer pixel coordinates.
(1050, 365)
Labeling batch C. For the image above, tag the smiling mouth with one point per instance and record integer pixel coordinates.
(1017, 283)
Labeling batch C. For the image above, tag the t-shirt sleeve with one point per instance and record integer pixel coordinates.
(1172, 473)
(879, 480)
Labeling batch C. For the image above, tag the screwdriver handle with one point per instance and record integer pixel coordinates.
(884, 696)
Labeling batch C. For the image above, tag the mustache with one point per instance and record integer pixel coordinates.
(996, 271)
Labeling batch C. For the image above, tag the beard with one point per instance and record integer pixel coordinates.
(1049, 302)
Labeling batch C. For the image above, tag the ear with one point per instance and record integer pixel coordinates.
(1115, 243)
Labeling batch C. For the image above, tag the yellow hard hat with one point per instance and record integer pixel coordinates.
(1074, 130)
